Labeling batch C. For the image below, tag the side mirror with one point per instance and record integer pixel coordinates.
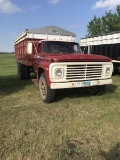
(29, 48)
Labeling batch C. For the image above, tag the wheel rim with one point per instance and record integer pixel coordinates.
(43, 88)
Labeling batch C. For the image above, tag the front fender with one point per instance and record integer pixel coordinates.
(44, 67)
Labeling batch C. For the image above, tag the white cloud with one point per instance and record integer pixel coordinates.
(54, 1)
(6, 6)
(106, 4)
(73, 26)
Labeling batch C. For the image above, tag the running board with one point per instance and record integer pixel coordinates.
(35, 81)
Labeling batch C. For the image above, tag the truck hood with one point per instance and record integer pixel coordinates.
(76, 58)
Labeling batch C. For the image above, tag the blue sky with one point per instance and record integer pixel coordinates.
(72, 15)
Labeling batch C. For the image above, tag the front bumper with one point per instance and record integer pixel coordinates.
(80, 84)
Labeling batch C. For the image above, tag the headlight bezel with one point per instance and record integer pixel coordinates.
(107, 70)
(58, 72)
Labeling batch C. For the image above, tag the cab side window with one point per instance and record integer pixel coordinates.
(39, 48)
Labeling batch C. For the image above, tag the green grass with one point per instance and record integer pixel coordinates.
(75, 127)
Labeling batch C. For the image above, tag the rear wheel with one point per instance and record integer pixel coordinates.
(96, 90)
(47, 94)
(23, 71)
(27, 72)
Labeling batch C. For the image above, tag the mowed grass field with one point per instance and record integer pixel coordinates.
(77, 126)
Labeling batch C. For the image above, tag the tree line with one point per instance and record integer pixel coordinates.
(108, 23)
(7, 52)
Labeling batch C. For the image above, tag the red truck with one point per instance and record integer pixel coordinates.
(58, 62)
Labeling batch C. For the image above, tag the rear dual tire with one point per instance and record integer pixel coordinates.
(23, 71)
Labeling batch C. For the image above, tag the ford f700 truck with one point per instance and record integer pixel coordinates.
(56, 59)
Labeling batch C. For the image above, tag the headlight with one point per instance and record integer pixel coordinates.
(107, 70)
(59, 73)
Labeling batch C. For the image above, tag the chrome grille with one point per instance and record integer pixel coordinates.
(83, 72)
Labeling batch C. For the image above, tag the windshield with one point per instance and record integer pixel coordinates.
(60, 47)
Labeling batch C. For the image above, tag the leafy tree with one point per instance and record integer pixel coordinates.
(118, 17)
(108, 23)
(103, 25)
(111, 22)
(118, 10)
(94, 27)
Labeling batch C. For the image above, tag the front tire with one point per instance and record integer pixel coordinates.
(47, 94)
(96, 90)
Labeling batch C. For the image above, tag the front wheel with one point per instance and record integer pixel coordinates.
(96, 90)
(47, 94)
